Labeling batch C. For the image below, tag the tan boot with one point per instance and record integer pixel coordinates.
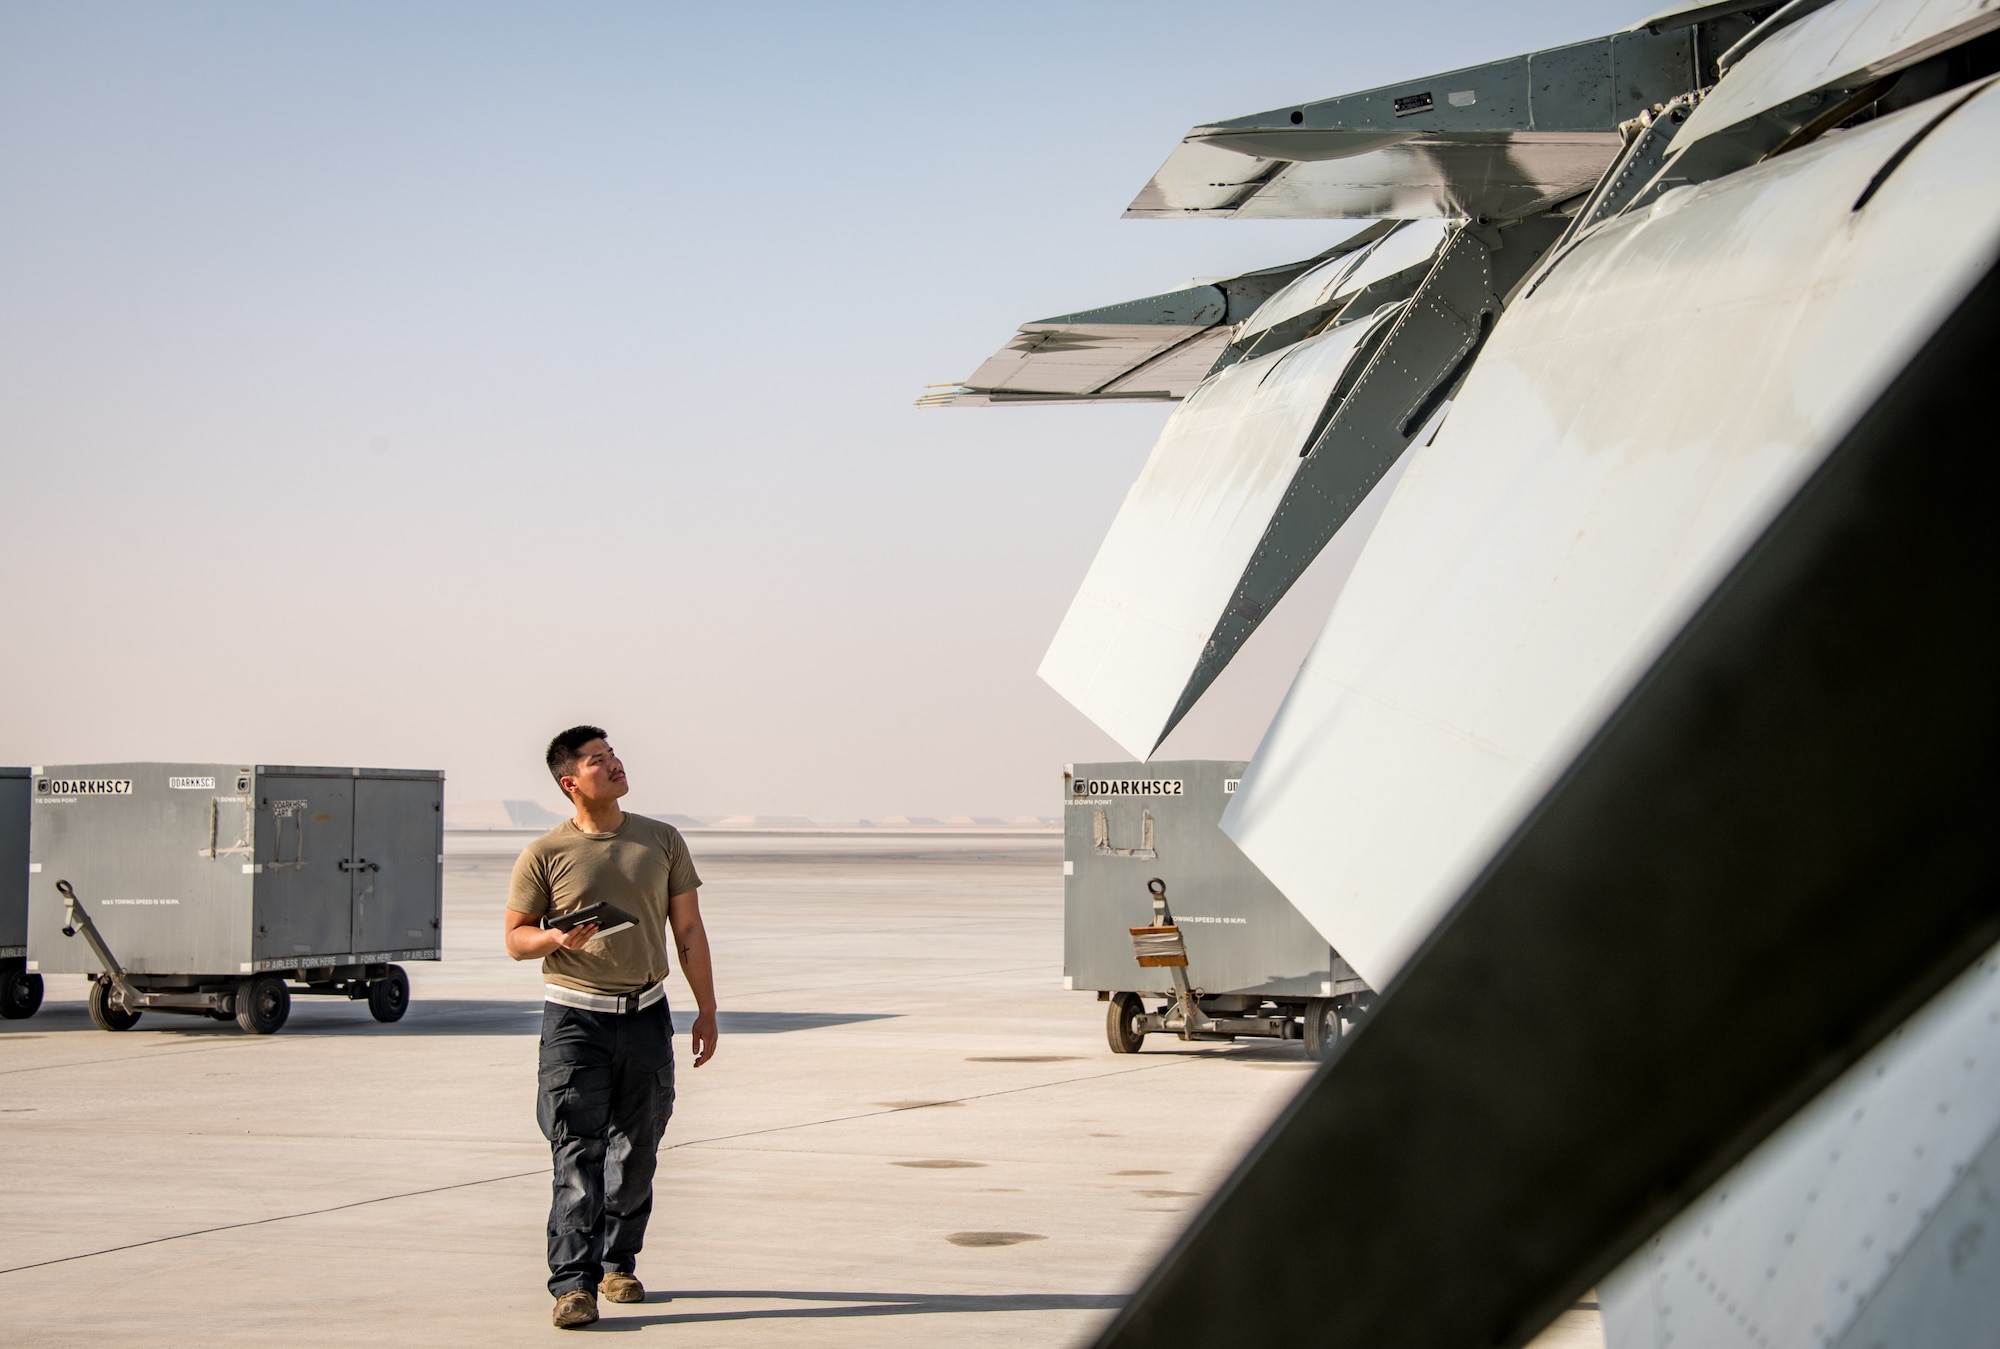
(618, 1286)
(576, 1308)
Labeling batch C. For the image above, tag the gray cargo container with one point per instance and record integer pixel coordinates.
(206, 888)
(1253, 965)
(20, 991)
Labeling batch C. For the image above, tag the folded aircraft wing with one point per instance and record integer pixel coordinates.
(1513, 148)
(1644, 765)
(1189, 525)
(1156, 349)
(1501, 140)
(1657, 707)
(1145, 622)
(1150, 349)
(1643, 409)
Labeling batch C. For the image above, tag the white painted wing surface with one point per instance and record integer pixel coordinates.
(1186, 531)
(1848, 41)
(1411, 243)
(1630, 428)
(1884, 1186)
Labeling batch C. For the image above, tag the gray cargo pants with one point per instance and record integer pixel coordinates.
(606, 1092)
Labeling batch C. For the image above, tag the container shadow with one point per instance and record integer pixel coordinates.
(426, 1017)
(857, 1304)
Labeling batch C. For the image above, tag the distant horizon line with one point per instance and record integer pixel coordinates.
(513, 816)
(1041, 824)
(803, 827)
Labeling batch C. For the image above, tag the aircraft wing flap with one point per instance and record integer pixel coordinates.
(1074, 360)
(1075, 356)
(1469, 174)
(1176, 371)
(1154, 349)
(1185, 531)
(1504, 140)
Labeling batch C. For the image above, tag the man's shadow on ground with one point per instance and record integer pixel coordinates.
(856, 1304)
(324, 1016)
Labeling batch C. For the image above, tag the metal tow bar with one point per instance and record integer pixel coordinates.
(130, 996)
(74, 917)
(1161, 946)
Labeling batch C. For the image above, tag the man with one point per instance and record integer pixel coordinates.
(607, 1059)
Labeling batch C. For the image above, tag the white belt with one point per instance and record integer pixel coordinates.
(605, 1002)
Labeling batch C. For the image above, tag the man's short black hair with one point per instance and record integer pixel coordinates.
(563, 750)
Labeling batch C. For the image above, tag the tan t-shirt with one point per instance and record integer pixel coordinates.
(637, 867)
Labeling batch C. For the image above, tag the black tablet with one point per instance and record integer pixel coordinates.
(609, 918)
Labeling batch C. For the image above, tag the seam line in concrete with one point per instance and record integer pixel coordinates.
(275, 1218)
(906, 1109)
(129, 1058)
(543, 1171)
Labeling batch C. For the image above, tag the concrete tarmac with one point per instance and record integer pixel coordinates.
(911, 1134)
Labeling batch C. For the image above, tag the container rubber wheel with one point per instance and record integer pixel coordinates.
(106, 1013)
(1121, 1023)
(20, 995)
(389, 996)
(262, 1004)
(1322, 1028)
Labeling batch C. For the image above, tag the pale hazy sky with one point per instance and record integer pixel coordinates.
(399, 383)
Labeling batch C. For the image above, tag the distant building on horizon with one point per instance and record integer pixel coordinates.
(677, 821)
(496, 816)
(504, 816)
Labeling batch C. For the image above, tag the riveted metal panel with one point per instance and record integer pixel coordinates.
(1945, 1290)
(1571, 87)
(1804, 1240)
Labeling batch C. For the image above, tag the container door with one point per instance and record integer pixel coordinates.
(305, 833)
(397, 835)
